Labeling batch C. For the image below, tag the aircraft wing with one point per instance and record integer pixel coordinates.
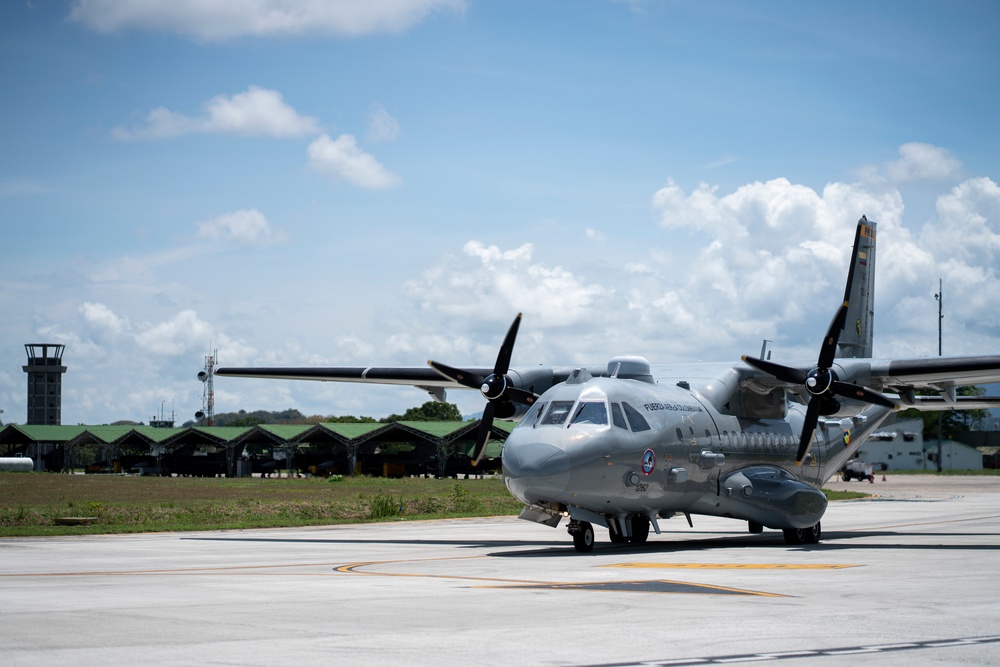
(418, 376)
(935, 372)
(532, 378)
(906, 377)
(942, 375)
(903, 377)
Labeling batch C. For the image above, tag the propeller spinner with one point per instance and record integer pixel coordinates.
(497, 389)
(822, 382)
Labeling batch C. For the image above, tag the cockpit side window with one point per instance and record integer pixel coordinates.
(617, 418)
(558, 411)
(635, 420)
(591, 412)
(530, 417)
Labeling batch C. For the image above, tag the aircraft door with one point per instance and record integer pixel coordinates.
(703, 443)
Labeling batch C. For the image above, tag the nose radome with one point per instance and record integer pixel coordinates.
(535, 470)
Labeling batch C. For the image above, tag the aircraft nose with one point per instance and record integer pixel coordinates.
(535, 471)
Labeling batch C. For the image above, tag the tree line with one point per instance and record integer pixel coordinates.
(429, 411)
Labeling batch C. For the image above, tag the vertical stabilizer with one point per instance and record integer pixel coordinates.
(856, 339)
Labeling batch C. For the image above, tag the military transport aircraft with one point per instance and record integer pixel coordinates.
(627, 444)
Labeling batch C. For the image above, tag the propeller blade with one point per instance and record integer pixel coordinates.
(822, 380)
(496, 389)
(507, 348)
(465, 378)
(520, 396)
(483, 434)
(828, 352)
(862, 394)
(783, 373)
(808, 429)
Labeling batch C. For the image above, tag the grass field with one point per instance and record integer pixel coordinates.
(30, 503)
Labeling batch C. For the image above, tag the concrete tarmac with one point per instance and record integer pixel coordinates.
(908, 577)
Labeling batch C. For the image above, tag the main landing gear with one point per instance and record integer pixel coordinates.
(808, 535)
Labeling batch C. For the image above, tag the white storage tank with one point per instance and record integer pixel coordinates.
(16, 464)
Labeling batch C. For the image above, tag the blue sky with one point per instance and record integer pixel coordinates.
(386, 182)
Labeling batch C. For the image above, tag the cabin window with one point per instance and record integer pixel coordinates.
(635, 420)
(591, 412)
(531, 416)
(617, 418)
(558, 412)
(680, 436)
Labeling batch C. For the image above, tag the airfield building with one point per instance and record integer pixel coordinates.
(45, 369)
(901, 446)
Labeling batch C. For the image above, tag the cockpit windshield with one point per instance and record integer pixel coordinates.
(558, 411)
(591, 412)
(532, 415)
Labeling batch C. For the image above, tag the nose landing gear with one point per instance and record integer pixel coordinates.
(583, 532)
(583, 536)
(810, 535)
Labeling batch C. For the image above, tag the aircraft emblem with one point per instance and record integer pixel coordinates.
(648, 462)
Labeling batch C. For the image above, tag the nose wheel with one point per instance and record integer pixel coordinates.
(583, 536)
(810, 535)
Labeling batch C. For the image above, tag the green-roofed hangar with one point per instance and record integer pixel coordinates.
(396, 449)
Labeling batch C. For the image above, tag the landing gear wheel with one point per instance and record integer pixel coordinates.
(754, 527)
(583, 538)
(617, 538)
(640, 529)
(794, 535)
(808, 535)
(813, 534)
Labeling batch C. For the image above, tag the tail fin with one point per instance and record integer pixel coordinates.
(856, 339)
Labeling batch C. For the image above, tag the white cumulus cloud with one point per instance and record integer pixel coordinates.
(382, 126)
(183, 334)
(102, 321)
(256, 112)
(490, 284)
(246, 227)
(209, 21)
(342, 160)
(923, 162)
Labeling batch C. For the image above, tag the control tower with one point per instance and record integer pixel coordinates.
(44, 369)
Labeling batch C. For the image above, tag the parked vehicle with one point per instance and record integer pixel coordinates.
(857, 469)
